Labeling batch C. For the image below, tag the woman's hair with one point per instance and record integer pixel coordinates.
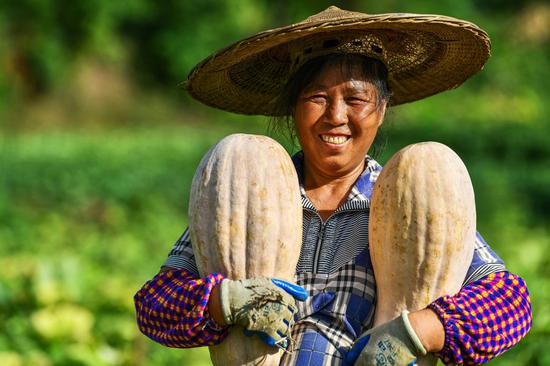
(371, 69)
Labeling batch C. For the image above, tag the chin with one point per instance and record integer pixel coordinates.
(335, 165)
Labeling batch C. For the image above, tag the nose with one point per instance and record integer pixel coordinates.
(337, 113)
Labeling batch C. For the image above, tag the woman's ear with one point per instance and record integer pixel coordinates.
(382, 112)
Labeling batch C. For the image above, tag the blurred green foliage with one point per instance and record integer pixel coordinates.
(98, 148)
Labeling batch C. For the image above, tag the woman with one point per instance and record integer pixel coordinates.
(333, 76)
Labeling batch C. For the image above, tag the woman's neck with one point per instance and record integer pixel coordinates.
(327, 192)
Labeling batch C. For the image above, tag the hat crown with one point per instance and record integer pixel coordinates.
(332, 13)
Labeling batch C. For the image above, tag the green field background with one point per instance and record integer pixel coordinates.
(98, 147)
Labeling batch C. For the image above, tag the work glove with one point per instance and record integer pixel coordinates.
(393, 343)
(262, 306)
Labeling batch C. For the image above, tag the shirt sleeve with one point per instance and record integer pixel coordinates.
(486, 318)
(181, 256)
(172, 308)
(484, 262)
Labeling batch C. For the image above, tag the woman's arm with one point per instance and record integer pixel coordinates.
(471, 327)
(172, 309)
(178, 309)
(489, 315)
(486, 318)
(215, 306)
(429, 329)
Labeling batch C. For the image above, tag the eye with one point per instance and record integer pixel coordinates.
(316, 98)
(358, 100)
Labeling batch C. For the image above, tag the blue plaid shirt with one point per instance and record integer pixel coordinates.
(335, 268)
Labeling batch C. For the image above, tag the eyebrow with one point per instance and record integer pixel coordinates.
(312, 87)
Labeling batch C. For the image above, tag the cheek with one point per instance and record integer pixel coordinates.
(366, 135)
(305, 136)
(301, 116)
(304, 119)
(308, 112)
(300, 129)
(371, 132)
(369, 126)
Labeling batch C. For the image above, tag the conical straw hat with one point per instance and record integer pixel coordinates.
(424, 54)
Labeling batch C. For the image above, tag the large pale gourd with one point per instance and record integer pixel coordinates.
(246, 221)
(421, 229)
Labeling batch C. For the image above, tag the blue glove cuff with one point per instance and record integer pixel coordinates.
(298, 292)
(356, 350)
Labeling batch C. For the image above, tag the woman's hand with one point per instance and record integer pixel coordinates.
(262, 306)
(399, 341)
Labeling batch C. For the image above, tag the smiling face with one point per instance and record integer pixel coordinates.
(336, 117)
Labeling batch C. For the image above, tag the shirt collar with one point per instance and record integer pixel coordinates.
(359, 196)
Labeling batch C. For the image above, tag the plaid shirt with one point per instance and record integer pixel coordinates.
(335, 268)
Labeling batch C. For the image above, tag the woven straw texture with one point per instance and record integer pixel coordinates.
(424, 54)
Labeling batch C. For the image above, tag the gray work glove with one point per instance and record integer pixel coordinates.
(262, 306)
(393, 343)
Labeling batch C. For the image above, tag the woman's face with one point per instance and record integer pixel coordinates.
(337, 117)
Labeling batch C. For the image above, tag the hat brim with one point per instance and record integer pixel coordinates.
(424, 54)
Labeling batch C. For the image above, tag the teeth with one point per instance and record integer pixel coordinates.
(334, 139)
